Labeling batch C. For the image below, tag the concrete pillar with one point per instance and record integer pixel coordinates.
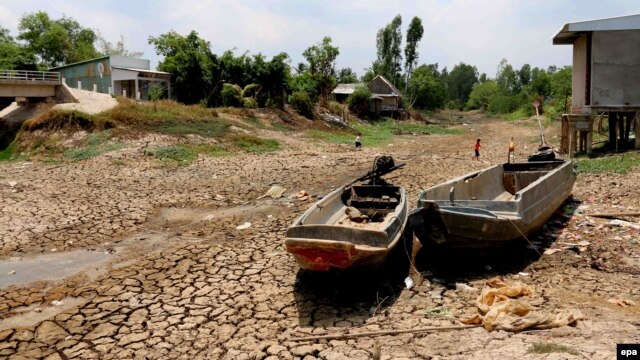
(79, 84)
(124, 92)
(572, 140)
(636, 127)
(589, 141)
(137, 90)
(110, 90)
(95, 87)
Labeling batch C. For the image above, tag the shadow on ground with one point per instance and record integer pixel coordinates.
(349, 298)
(448, 266)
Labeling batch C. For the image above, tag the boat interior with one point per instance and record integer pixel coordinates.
(500, 183)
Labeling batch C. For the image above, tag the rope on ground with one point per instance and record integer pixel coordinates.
(530, 243)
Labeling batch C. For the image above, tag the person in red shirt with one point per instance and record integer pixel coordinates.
(476, 148)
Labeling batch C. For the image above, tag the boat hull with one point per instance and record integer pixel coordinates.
(318, 245)
(482, 224)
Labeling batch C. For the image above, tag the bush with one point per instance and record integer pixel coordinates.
(230, 95)
(359, 101)
(301, 101)
(503, 104)
(335, 108)
(482, 94)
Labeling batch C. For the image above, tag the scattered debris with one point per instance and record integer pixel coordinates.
(244, 226)
(624, 224)
(408, 282)
(622, 302)
(383, 332)
(465, 287)
(302, 195)
(56, 303)
(13, 183)
(219, 197)
(355, 215)
(275, 192)
(500, 308)
(12, 272)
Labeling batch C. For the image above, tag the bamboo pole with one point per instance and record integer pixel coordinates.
(613, 215)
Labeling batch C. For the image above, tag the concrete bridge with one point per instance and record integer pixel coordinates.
(23, 84)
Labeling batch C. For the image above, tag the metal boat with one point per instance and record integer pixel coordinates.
(492, 206)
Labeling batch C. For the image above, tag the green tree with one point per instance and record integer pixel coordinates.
(359, 100)
(426, 89)
(301, 101)
(388, 43)
(322, 65)
(414, 35)
(56, 42)
(461, 80)
(108, 48)
(347, 76)
(193, 66)
(507, 78)
(12, 55)
(482, 94)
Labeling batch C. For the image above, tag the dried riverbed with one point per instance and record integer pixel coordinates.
(121, 257)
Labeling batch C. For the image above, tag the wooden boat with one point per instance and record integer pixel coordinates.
(492, 206)
(326, 238)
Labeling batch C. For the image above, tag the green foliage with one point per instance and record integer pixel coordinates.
(335, 107)
(461, 80)
(482, 94)
(425, 89)
(156, 92)
(185, 154)
(56, 42)
(256, 145)
(618, 164)
(414, 35)
(389, 54)
(14, 56)
(193, 66)
(347, 76)
(107, 48)
(96, 144)
(322, 58)
(503, 104)
(547, 348)
(301, 101)
(359, 101)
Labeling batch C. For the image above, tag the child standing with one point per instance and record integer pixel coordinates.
(358, 143)
(476, 148)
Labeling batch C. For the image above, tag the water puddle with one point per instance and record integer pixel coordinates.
(53, 266)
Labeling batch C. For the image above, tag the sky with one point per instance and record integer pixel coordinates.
(476, 32)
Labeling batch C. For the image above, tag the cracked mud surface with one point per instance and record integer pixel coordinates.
(182, 282)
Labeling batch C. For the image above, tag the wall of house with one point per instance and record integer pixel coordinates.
(616, 68)
(579, 74)
(88, 73)
(378, 86)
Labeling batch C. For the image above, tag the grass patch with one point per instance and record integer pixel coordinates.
(618, 164)
(281, 127)
(213, 128)
(185, 154)
(9, 153)
(253, 121)
(255, 144)
(516, 115)
(92, 151)
(56, 120)
(547, 348)
(380, 133)
(96, 144)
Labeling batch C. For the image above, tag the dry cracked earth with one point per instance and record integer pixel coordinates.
(122, 257)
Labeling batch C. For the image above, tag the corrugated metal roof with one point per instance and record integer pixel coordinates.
(141, 70)
(571, 31)
(346, 88)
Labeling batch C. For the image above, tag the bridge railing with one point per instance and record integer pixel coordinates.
(32, 76)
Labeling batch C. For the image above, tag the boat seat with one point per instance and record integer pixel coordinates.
(373, 202)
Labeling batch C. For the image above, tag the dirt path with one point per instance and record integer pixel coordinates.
(180, 280)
